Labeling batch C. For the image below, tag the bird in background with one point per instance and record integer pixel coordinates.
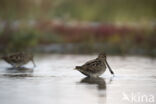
(96, 67)
(18, 59)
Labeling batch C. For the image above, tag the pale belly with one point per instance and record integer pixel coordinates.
(18, 64)
(97, 74)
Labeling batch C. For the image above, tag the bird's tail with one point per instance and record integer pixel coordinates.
(78, 67)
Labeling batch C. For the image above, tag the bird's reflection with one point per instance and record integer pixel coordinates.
(19, 72)
(101, 84)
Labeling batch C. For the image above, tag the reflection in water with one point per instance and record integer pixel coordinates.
(101, 86)
(99, 81)
(19, 72)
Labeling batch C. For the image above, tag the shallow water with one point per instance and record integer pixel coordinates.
(54, 81)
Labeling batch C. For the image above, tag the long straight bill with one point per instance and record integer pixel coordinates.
(111, 71)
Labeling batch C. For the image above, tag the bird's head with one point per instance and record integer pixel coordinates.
(102, 56)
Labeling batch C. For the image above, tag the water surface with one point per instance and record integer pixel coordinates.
(54, 81)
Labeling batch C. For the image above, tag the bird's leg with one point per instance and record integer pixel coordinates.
(33, 62)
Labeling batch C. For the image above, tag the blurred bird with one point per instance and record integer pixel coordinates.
(18, 59)
(96, 67)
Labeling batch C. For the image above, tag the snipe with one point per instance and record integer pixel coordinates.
(96, 67)
(18, 59)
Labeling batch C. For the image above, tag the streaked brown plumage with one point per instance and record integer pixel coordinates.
(18, 59)
(96, 67)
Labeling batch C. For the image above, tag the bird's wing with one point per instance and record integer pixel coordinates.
(95, 62)
(16, 58)
(92, 66)
(89, 62)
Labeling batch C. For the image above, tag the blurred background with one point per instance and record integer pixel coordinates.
(118, 27)
(76, 30)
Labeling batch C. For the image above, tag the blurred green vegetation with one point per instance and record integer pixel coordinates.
(83, 10)
(115, 26)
